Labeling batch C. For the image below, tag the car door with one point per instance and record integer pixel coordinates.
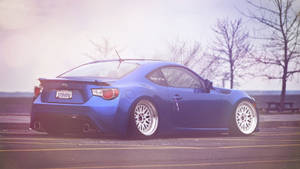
(192, 105)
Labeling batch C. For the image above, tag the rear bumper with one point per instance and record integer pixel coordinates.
(103, 116)
(62, 122)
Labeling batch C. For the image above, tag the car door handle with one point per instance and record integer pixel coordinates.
(177, 97)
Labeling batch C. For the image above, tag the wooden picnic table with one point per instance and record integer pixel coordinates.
(275, 106)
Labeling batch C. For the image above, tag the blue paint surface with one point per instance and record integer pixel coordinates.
(196, 109)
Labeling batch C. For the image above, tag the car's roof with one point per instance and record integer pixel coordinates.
(145, 65)
(138, 61)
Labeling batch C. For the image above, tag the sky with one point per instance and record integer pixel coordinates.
(46, 38)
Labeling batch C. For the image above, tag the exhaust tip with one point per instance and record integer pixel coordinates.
(37, 125)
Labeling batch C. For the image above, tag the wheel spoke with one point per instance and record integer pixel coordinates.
(246, 119)
(146, 118)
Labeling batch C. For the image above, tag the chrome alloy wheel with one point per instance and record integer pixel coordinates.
(246, 118)
(146, 117)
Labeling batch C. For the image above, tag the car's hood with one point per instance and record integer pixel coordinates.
(233, 92)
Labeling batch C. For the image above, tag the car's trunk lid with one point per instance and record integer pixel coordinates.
(69, 90)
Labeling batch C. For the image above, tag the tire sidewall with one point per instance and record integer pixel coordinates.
(234, 129)
(133, 131)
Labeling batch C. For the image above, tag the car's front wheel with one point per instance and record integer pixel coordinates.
(245, 119)
(144, 119)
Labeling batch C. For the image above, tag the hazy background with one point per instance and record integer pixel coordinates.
(46, 38)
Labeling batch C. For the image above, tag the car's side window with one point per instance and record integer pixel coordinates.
(181, 78)
(157, 77)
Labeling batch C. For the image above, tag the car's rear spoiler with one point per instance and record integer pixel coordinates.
(90, 81)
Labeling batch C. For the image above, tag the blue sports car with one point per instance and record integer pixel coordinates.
(139, 98)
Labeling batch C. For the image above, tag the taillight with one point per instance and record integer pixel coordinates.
(107, 94)
(37, 91)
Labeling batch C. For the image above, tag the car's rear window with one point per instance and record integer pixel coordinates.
(111, 70)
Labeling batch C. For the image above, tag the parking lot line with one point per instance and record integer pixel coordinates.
(107, 144)
(261, 146)
(100, 144)
(189, 165)
(147, 148)
(296, 140)
(195, 139)
(34, 138)
(288, 127)
(278, 134)
(100, 148)
(221, 139)
(68, 143)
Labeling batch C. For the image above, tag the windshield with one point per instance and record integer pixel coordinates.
(111, 70)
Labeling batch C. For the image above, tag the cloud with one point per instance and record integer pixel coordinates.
(44, 38)
(17, 14)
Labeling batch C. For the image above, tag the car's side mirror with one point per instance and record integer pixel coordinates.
(208, 85)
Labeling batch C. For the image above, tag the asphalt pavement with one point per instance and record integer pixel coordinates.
(270, 148)
(19, 121)
(277, 145)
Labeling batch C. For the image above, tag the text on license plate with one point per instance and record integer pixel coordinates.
(64, 94)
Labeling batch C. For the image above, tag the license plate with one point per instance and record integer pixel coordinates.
(64, 94)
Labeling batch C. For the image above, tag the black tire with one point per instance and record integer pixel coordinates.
(244, 121)
(144, 119)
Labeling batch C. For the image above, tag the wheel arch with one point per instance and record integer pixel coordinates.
(133, 104)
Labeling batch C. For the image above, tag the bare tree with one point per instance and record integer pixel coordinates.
(184, 52)
(104, 49)
(282, 47)
(232, 48)
(190, 54)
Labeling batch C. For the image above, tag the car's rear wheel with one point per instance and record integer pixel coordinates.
(245, 119)
(144, 119)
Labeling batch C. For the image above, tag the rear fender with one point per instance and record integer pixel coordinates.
(131, 109)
